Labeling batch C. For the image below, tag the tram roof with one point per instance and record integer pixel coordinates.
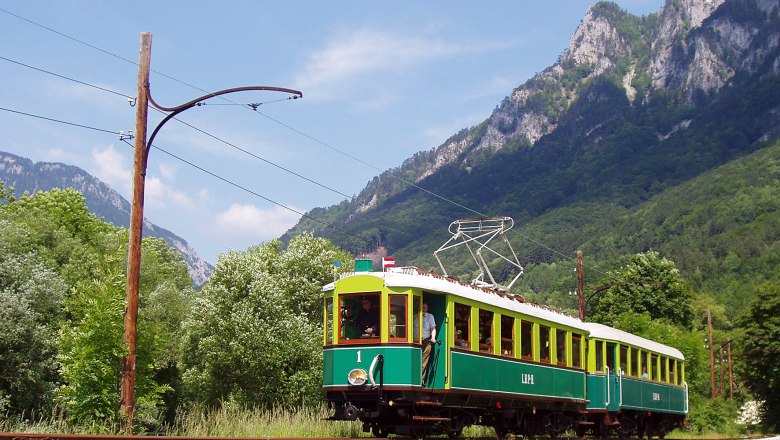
(412, 277)
(602, 331)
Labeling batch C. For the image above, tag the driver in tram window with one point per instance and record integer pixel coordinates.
(367, 318)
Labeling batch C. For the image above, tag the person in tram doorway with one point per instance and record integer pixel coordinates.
(429, 338)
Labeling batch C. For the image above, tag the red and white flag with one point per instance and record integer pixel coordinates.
(388, 262)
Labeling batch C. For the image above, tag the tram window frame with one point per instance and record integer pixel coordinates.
(665, 369)
(416, 319)
(486, 320)
(507, 335)
(576, 350)
(677, 372)
(654, 364)
(526, 340)
(623, 359)
(402, 315)
(545, 351)
(560, 348)
(634, 356)
(329, 320)
(461, 311)
(599, 356)
(355, 298)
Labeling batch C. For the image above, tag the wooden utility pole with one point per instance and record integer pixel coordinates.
(721, 370)
(731, 377)
(580, 287)
(127, 392)
(712, 356)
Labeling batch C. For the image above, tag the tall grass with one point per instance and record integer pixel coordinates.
(235, 421)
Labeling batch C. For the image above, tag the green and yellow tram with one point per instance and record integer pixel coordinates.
(498, 360)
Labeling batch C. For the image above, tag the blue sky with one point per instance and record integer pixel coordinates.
(381, 80)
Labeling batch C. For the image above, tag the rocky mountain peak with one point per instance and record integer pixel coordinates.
(677, 18)
(596, 42)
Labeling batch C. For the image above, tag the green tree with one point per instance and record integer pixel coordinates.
(761, 351)
(254, 335)
(62, 273)
(31, 296)
(647, 284)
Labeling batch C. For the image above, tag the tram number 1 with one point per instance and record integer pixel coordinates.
(656, 396)
(358, 354)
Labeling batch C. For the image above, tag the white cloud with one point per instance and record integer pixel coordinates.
(110, 167)
(350, 56)
(167, 171)
(251, 222)
(159, 194)
(57, 154)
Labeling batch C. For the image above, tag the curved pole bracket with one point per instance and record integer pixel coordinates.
(173, 111)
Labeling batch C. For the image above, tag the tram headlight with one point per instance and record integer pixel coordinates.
(358, 376)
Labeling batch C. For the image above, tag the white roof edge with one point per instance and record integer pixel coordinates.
(401, 278)
(602, 331)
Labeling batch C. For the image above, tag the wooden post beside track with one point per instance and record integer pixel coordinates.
(712, 356)
(580, 287)
(127, 390)
(731, 377)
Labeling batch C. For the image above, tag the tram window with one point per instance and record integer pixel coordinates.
(645, 371)
(611, 357)
(599, 356)
(486, 331)
(623, 360)
(358, 313)
(328, 321)
(416, 312)
(544, 344)
(398, 317)
(576, 344)
(654, 367)
(526, 339)
(462, 325)
(635, 362)
(560, 347)
(507, 335)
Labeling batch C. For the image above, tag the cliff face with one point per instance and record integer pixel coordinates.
(676, 59)
(26, 176)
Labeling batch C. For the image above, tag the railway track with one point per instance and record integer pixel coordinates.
(49, 436)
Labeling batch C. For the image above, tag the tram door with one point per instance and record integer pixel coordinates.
(614, 378)
(437, 368)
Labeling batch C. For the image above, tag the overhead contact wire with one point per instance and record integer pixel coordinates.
(400, 179)
(66, 77)
(59, 121)
(243, 188)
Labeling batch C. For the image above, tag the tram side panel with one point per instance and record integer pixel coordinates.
(475, 372)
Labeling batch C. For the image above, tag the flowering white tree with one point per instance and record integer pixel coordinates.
(255, 333)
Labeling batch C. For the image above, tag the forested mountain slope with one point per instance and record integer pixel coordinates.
(634, 108)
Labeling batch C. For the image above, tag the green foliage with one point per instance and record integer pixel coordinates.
(254, 334)
(31, 296)
(709, 416)
(647, 284)
(62, 292)
(761, 351)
